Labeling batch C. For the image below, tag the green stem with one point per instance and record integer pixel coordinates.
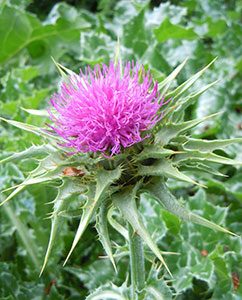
(137, 265)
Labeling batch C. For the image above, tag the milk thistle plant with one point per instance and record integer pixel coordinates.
(114, 133)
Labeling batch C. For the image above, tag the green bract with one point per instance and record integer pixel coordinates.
(108, 189)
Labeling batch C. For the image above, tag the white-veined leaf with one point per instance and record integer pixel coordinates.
(164, 167)
(169, 202)
(29, 153)
(165, 84)
(204, 156)
(64, 72)
(104, 180)
(36, 112)
(31, 128)
(154, 151)
(49, 169)
(125, 202)
(65, 191)
(117, 226)
(188, 83)
(180, 105)
(209, 145)
(167, 132)
(102, 229)
(110, 292)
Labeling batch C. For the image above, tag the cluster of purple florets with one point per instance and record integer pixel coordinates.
(106, 109)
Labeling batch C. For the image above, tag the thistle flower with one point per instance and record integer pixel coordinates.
(106, 108)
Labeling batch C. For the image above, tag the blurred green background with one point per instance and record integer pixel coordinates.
(159, 34)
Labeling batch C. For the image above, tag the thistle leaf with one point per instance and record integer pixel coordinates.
(15, 192)
(102, 229)
(117, 226)
(110, 292)
(165, 84)
(47, 170)
(30, 128)
(154, 151)
(65, 191)
(170, 203)
(64, 72)
(104, 180)
(125, 202)
(23, 126)
(188, 83)
(27, 182)
(36, 112)
(209, 145)
(117, 56)
(179, 107)
(156, 294)
(165, 168)
(204, 156)
(31, 152)
(200, 167)
(169, 131)
(106, 294)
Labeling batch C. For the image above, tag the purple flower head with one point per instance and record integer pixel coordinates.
(105, 109)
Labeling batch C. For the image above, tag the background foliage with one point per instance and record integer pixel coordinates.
(160, 35)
